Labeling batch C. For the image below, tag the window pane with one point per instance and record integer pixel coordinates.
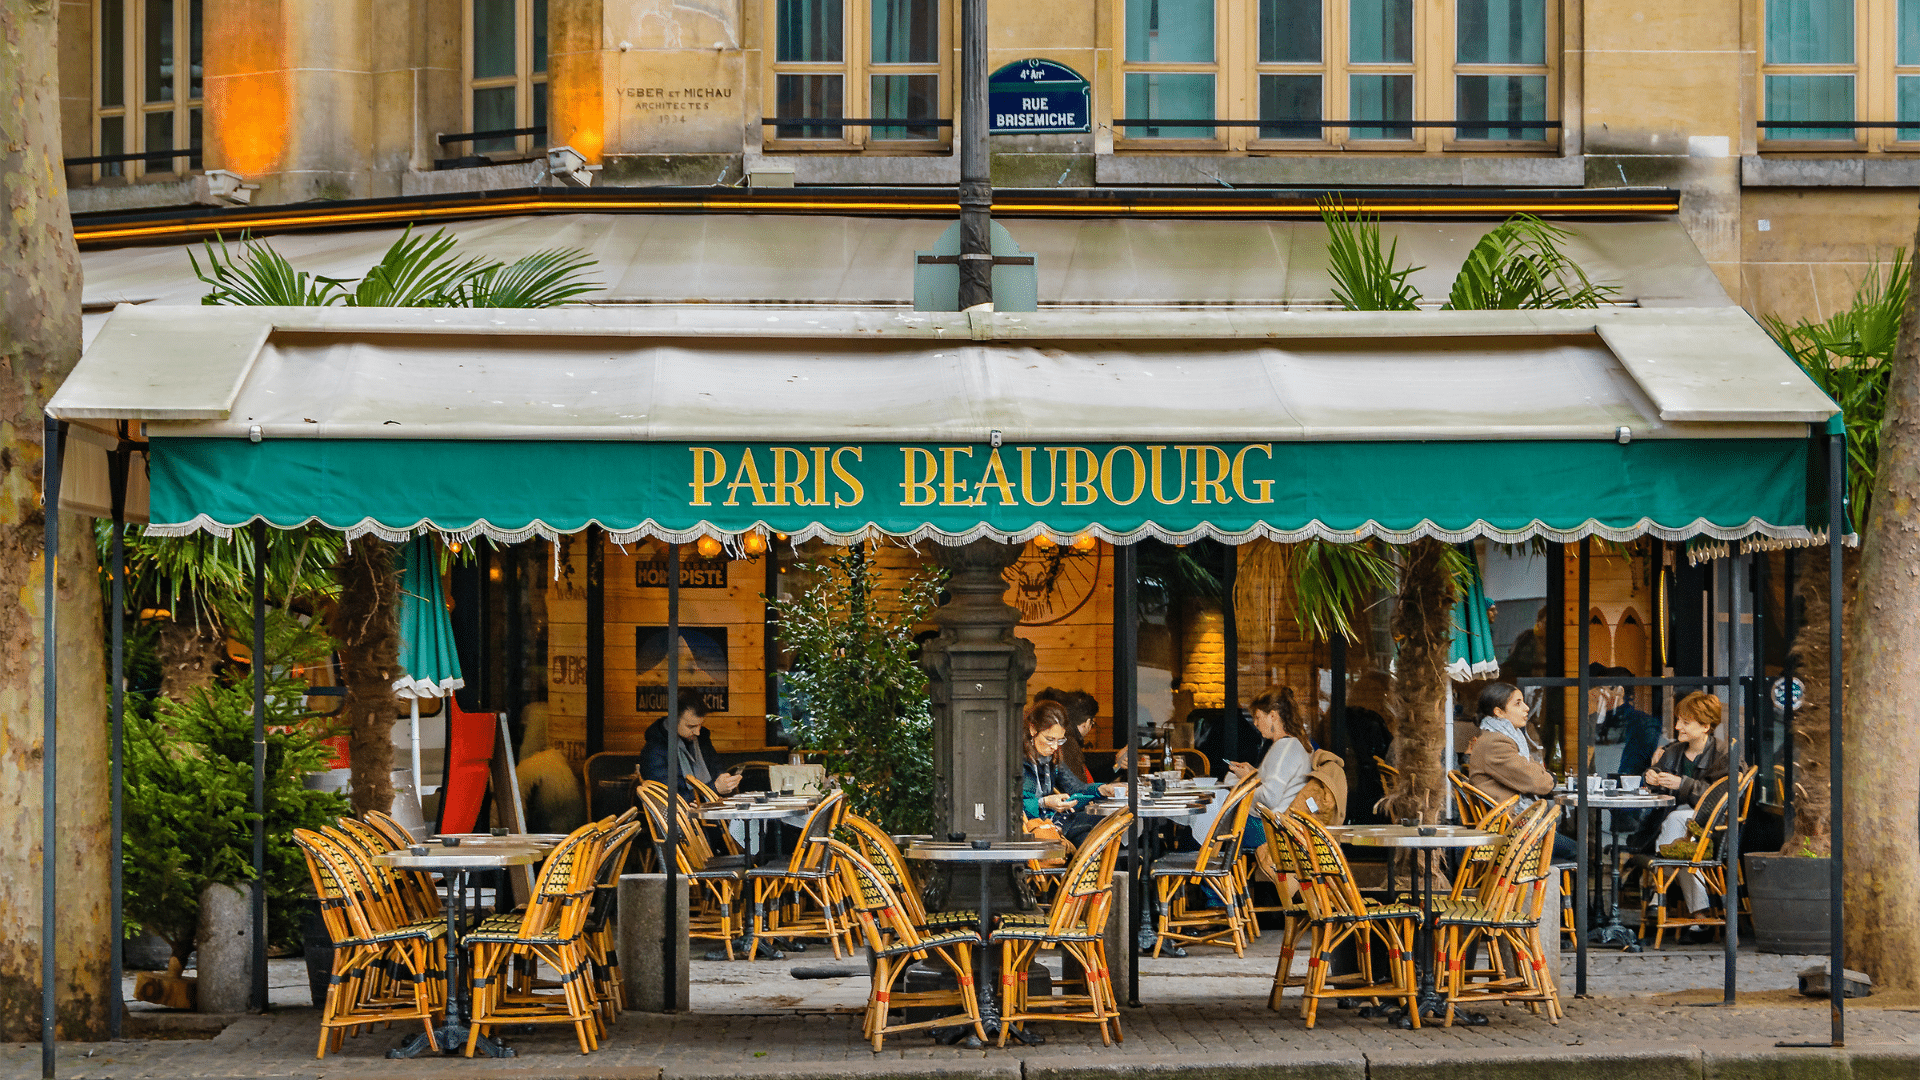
(916, 96)
(812, 31)
(493, 43)
(113, 55)
(539, 36)
(539, 117)
(1173, 96)
(1170, 32)
(1380, 97)
(193, 50)
(157, 78)
(1290, 97)
(193, 138)
(113, 140)
(1809, 32)
(1810, 97)
(808, 95)
(1501, 97)
(1382, 32)
(1909, 33)
(906, 32)
(1289, 32)
(159, 134)
(1502, 32)
(1907, 101)
(493, 110)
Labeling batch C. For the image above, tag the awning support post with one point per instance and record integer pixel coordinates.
(260, 766)
(117, 465)
(1734, 576)
(54, 435)
(1230, 641)
(1836, 863)
(670, 952)
(1126, 629)
(1582, 875)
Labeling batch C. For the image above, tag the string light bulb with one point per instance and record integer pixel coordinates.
(1045, 542)
(754, 543)
(707, 546)
(1084, 543)
(453, 546)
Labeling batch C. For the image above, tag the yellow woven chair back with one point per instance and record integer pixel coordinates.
(1086, 890)
(389, 827)
(1339, 894)
(1221, 848)
(883, 918)
(878, 848)
(823, 821)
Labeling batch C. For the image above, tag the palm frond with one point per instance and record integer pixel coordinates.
(1332, 583)
(1519, 264)
(418, 272)
(259, 277)
(1365, 278)
(542, 279)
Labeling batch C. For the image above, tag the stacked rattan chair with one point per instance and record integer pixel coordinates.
(1337, 914)
(551, 932)
(895, 944)
(718, 906)
(387, 966)
(1178, 876)
(1504, 917)
(802, 898)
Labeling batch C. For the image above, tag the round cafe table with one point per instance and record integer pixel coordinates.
(1614, 932)
(756, 814)
(984, 859)
(1425, 839)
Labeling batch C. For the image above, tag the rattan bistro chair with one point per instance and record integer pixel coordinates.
(551, 931)
(1338, 913)
(1702, 859)
(896, 944)
(1077, 927)
(1292, 881)
(877, 847)
(718, 904)
(1505, 917)
(803, 897)
(1174, 877)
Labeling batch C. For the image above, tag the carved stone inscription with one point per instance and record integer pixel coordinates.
(680, 101)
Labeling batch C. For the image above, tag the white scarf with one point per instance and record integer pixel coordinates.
(1500, 726)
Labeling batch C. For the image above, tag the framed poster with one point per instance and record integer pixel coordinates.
(703, 666)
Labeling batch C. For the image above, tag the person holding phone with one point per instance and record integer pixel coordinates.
(1051, 793)
(698, 759)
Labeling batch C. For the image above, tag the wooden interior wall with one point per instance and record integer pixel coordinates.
(567, 650)
(1075, 652)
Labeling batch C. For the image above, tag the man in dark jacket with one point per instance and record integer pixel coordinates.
(697, 756)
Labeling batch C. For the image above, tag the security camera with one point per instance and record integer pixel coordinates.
(569, 166)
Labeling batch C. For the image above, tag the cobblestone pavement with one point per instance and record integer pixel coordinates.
(1208, 1010)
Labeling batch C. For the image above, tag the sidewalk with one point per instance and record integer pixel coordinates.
(1203, 1016)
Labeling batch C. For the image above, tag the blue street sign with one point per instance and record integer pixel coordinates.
(1037, 97)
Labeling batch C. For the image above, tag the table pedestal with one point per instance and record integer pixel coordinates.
(453, 1032)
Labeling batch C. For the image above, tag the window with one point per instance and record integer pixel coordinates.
(1282, 69)
(506, 74)
(1826, 63)
(858, 59)
(147, 85)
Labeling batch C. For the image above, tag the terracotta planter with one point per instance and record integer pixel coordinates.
(1789, 896)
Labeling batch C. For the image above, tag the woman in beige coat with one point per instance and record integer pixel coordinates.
(1505, 761)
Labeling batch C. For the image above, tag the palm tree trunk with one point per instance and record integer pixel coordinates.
(39, 344)
(365, 624)
(188, 648)
(1812, 826)
(1423, 627)
(1880, 798)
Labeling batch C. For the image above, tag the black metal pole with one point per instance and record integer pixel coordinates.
(770, 641)
(260, 766)
(976, 181)
(1837, 924)
(54, 447)
(670, 953)
(596, 540)
(1126, 628)
(1582, 873)
(1230, 640)
(1735, 579)
(1790, 672)
(117, 464)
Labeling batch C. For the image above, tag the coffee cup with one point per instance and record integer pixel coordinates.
(498, 832)
(982, 845)
(956, 838)
(1631, 783)
(418, 849)
(450, 841)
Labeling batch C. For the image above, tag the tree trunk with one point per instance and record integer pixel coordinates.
(1423, 627)
(366, 626)
(1881, 793)
(1811, 827)
(189, 648)
(39, 344)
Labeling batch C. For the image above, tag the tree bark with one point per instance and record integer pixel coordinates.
(1423, 627)
(365, 625)
(1812, 828)
(1881, 793)
(189, 648)
(39, 344)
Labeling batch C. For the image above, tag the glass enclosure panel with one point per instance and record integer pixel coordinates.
(539, 37)
(1810, 97)
(494, 42)
(811, 31)
(1290, 97)
(1380, 97)
(820, 96)
(1501, 97)
(1381, 32)
(194, 36)
(113, 54)
(1502, 32)
(1175, 96)
(1809, 32)
(113, 140)
(914, 96)
(159, 135)
(906, 32)
(494, 110)
(1907, 50)
(157, 76)
(1290, 32)
(1907, 104)
(1170, 32)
